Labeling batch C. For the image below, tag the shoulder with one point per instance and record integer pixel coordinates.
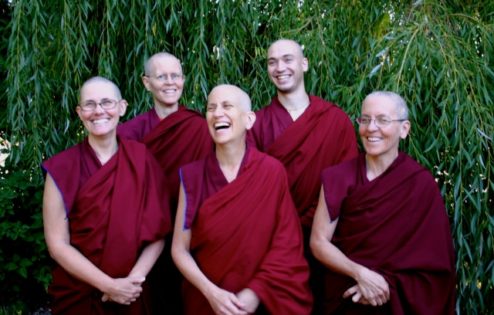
(132, 144)
(196, 167)
(334, 109)
(65, 157)
(192, 118)
(340, 169)
(422, 174)
(269, 107)
(133, 128)
(137, 120)
(265, 161)
(189, 111)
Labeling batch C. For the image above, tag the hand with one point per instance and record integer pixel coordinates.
(249, 299)
(225, 303)
(124, 290)
(371, 286)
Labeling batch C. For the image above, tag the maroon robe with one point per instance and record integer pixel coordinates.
(397, 226)
(180, 138)
(245, 234)
(322, 136)
(114, 210)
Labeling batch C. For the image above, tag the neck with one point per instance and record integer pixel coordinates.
(104, 148)
(164, 111)
(376, 166)
(230, 157)
(295, 102)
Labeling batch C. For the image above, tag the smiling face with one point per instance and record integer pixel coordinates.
(164, 79)
(100, 122)
(229, 114)
(286, 66)
(382, 142)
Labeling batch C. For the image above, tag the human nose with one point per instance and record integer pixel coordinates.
(280, 66)
(218, 111)
(99, 108)
(372, 124)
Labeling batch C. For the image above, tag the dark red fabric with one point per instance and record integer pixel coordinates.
(114, 211)
(322, 136)
(396, 225)
(247, 235)
(180, 138)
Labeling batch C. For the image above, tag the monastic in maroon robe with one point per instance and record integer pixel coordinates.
(322, 136)
(114, 210)
(246, 234)
(180, 138)
(396, 225)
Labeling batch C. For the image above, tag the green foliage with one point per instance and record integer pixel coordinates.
(437, 54)
(24, 271)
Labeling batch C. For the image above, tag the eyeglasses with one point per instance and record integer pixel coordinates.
(380, 121)
(105, 104)
(174, 77)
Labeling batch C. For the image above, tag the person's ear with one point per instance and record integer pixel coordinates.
(122, 107)
(145, 81)
(405, 129)
(251, 119)
(305, 64)
(78, 110)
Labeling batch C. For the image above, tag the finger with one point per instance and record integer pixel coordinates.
(373, 302)
(138, 280)
(233, 309)
(238, 304)
(351, 291)
(356, 297)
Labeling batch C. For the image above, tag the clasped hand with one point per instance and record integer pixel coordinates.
(124, 290)
(227, 303)
(371, 288)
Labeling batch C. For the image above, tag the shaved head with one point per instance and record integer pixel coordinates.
(242, 98)
(397, 100)
(148, 65)
(98, 79)
(287, 44)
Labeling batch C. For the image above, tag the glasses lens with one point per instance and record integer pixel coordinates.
(363, 120)
(107, 104)
(382, 121)
(88, 106)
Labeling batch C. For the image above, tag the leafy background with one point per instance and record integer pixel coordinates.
(437, 54)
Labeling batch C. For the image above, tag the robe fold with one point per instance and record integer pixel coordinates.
(246, 234)
(114, 210)
(396, 225)
(322, 136)
(180, 138)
